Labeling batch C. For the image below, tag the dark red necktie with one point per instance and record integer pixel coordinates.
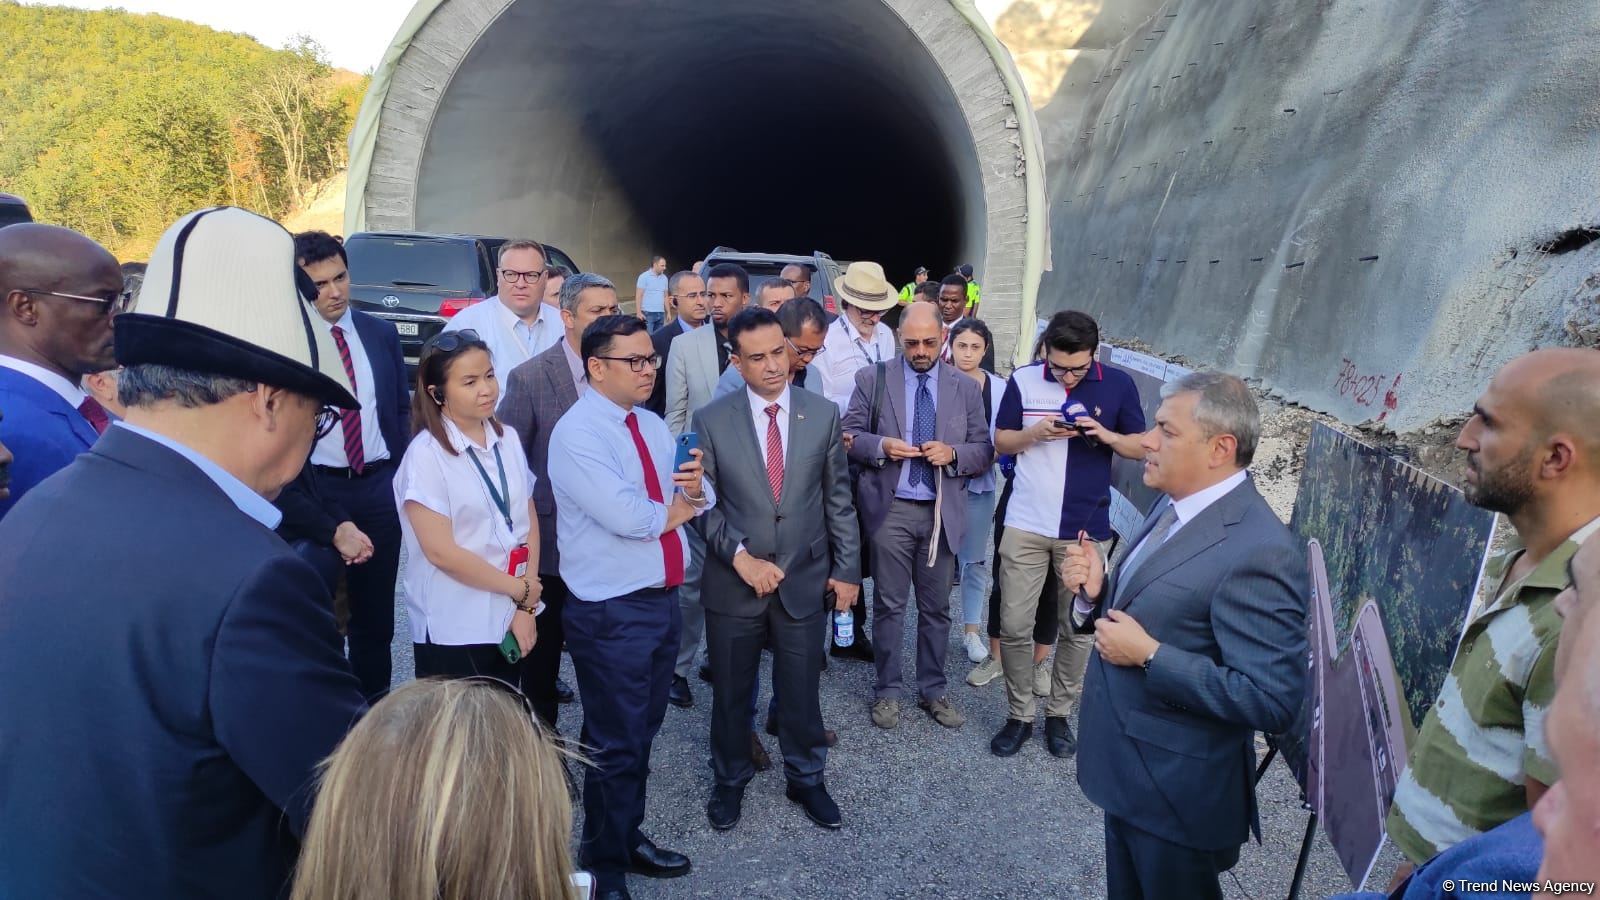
(774, 454)
(671, 545)
(91, 409)
(350, 419)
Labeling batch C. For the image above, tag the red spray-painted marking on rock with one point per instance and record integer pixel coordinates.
(1365, 389)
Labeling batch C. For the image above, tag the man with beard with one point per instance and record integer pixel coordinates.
(1481, 757)
(58, 293)
(919, 433)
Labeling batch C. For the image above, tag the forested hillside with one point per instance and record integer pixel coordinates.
(115, 124)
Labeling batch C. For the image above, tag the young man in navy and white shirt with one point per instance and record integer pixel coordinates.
(1063, 418)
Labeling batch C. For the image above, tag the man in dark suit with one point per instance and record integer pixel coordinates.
(537, 394)
(782, 534)
(340, 514)
(165, 700)
(919, 432)
(687, 295)
(58, 292)
(1200, 642)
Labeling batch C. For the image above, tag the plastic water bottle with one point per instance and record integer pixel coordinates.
(844, 628)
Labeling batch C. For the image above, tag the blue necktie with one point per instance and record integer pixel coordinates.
(922, 432)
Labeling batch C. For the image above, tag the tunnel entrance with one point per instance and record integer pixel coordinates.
(867, 129)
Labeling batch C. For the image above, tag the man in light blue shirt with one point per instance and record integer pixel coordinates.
(620, 511)
(651, 299)
(516, 323)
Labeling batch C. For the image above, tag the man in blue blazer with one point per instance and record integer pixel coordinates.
(58, 292)
(340, 514)
(165, 699)
(1200, 642)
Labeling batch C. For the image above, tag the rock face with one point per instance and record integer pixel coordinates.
(1367, 207)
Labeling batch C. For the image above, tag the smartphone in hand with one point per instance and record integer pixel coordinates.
(686, 442)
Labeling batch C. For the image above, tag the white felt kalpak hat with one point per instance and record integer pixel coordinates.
(224, 296)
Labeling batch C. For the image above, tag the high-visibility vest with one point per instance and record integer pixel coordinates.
(907, 292)
(973, 295)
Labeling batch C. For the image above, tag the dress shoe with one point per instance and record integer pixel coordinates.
(819, 807)
(620, 893)
(653, 862)
(725, 807)
(1011, 738)
(1058, 737)
(679, 694)
(859, 650)
(705, 672)
(564, 692)
(830, 736)
(758, 754)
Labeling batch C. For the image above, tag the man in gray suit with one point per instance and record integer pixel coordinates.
(696, 363)
(1200, 642)
(782, 532)
(537, 393)
(919, 432)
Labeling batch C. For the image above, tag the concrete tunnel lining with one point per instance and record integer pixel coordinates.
(882, 129)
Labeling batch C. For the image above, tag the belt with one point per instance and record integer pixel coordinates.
(347, 473)
(916, 502)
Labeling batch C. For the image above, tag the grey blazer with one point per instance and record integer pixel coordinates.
(538, 393)
(811, 535)
(959, 421)
(692, 373)
(1171, 750)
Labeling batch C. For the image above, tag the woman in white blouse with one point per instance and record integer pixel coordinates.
(466, 510)
(969, 341)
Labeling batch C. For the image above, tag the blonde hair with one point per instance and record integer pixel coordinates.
(446, 790)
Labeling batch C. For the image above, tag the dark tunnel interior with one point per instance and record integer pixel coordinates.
(683, 126)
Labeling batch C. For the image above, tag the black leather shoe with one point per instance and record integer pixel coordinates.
(861, 650)
(620, 893)
(819, 807)
(1058, 737)
(705, 672)
(653, 862)
(679, 694)
(564, 692)
(725, 807)
(1011, 738)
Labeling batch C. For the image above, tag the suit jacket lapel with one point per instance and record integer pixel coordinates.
(1199, 533)
(709, 370)
(944, 412)
(894, 384)
(750, 444)
(560, 378)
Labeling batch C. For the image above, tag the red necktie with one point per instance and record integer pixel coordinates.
(350, 418)
(671, 546)
(774, 454)
(91, 409)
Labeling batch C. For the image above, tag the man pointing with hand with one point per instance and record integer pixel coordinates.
(1200, 641)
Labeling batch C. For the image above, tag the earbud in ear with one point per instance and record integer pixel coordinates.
(436, 400)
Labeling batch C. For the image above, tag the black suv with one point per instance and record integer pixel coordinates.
(419, 280)
(13, 209)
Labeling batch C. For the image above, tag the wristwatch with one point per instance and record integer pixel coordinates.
(1151, 658)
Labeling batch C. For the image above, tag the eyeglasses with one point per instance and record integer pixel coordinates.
(690, 295)
(327, 417)
(806, 353)
(507, 687)
(930, 343)
(514, 277)
(1069, 372)
(113, 305)
(451, 341)
(637, 363)
(868, 314)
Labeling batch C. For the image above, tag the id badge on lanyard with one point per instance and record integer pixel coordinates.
(517, 565)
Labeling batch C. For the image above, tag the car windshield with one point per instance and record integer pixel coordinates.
(12, 213)
(557, 258)
(413, 263)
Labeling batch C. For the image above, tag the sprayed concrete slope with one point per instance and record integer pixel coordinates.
(1367, 206)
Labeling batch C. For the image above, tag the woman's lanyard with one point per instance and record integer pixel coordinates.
(500, 497)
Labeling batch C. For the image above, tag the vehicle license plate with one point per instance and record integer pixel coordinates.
(409, 329)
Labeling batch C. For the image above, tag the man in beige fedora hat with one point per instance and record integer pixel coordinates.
(165, 700)
(858, 337)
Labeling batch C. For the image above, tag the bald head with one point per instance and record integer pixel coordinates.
(921, 336)
(921, 316)
(38, 265)
(1561, 390)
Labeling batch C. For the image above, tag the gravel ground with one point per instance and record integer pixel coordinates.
(929, 813)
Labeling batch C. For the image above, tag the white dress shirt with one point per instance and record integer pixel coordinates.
(443, 610)
(65, 389)
(575, 366)
(844, 353)
(330, 450)
(607, 528)
(758, 416)
(1185, 509)
(511, 341)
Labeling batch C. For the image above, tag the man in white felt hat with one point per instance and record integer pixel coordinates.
(164, 700)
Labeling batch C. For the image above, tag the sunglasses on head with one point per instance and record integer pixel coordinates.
(507, 687)
(451, 341)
